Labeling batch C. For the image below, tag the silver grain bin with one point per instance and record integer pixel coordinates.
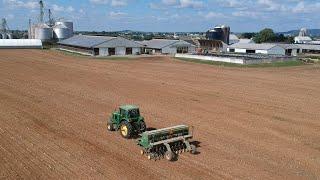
(43, 32)
(60, 32)
(68, 24)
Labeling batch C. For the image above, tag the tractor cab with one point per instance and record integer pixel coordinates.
(128, 120)
(129, 111)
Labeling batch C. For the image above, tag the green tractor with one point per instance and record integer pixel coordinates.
(127, 120)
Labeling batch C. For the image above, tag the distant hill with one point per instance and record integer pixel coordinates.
(312, 32)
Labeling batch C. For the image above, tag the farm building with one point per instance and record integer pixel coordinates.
(101, 45)
(209, 46)
(246, 41)
(20, 44)
(233, 39)
(165, 46)
(309, 48)
(249, 48)
(302, 40)
(291, 49)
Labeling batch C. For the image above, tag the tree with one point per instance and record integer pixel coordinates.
(247, 35)
(266, 35)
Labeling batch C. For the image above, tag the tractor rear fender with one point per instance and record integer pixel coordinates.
(118, 124)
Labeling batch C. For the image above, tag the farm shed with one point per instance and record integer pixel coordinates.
(166, 46)
(20, 44)
(249, 48)
(101, 45)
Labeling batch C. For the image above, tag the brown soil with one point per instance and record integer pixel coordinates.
(250, 123)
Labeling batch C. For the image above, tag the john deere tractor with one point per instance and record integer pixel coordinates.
(127, 120)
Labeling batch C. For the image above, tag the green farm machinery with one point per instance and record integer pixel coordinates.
(166, 142)
(127, 120)
(161, 143)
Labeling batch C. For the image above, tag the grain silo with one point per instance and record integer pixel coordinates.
(43, 32)
(221, 33)
(68, 24)
(61, 32)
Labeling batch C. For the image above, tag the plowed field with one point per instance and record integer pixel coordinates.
(250, 123)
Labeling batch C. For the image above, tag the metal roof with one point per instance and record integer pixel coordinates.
(6, 43)
(314, 42)
(288, 46)
(303, 38)
(253, 46)
(161, 43)
(309, 47)
(119, 42)
(245, 41)
(85, 41)
(233, 37)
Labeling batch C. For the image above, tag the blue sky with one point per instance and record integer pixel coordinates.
(170, 15)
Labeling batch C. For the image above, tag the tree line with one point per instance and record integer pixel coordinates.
(267, 35)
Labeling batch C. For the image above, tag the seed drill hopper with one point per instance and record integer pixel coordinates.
(166, 142)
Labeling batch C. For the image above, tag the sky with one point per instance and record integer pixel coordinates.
(169, 15)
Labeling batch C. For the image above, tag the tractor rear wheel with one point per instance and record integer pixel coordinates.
(169, 155)
(125, 129)
(143, 126)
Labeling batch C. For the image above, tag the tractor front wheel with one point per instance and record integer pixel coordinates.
(125, 129)
(110, 126)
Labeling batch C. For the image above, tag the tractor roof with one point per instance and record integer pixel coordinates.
(129, 107)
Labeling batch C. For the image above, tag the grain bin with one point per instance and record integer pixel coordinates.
(60, 32)
(43, 32)
(68, 24)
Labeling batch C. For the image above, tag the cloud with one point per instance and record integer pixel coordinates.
(21, 4)
(99, 1)
(246, 14)
(113, 14)
(191, 4)
(58, 8)
(114, 3)
(211, 15)
(302, 7)
(169, 2)
(165, 4)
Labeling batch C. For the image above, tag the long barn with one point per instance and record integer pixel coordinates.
(100, 45)
(20, 44)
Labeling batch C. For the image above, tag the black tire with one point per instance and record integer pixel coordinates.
(169, 155)
(126, 129)
(110, 126)
(143, 126)
(193, 149)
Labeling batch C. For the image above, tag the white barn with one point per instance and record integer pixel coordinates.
(101, 45)
(270, 49)
(166, 46)
(20, 44)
